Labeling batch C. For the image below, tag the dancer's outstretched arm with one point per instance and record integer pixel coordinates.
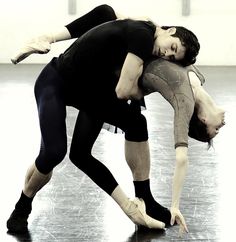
(178, 181)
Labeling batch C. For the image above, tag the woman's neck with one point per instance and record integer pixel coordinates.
(202, 98)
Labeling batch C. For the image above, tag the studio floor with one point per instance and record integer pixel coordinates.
(72, 208)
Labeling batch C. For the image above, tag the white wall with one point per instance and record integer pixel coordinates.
(213, 21)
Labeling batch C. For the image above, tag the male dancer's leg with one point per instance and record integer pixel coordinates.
(138, 157)
(52, 113)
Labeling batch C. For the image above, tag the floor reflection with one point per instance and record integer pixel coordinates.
(143, 235)
(72, 208)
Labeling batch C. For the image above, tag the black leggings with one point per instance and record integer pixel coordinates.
(101, 14)
(85, 134)
(51, 103)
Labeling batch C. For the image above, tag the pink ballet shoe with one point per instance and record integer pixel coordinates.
(136, 211)
(39, 45)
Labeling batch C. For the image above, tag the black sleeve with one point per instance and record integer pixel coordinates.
(98, 15)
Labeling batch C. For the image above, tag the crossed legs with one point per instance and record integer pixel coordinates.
(85, 134)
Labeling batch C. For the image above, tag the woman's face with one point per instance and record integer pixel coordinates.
(215, 121)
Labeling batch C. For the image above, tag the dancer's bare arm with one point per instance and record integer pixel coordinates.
(127, 86)
(181, 167)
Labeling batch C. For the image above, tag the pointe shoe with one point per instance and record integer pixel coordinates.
(136, 211)
(39, 45)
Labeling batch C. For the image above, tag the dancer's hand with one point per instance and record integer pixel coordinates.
(177, 217)
(39, 45)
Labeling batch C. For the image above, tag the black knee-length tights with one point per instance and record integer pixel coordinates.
(52, 114)
(51, 103)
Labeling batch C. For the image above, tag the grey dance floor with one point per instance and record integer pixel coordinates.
(72, 208)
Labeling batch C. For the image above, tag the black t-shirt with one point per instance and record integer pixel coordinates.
(173, 83)
(89, 65)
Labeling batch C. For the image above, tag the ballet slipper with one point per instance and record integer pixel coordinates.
(39, 45)
(136, 211)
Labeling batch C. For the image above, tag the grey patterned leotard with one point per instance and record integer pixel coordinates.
(172, 82)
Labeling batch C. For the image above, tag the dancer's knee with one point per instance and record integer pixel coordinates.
(79, 158)
(105, 11)
(49, 159)
(137, 130)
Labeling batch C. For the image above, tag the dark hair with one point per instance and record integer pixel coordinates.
(198, 129)
(189, 41)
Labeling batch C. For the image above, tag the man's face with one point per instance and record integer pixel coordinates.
(168, 47)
